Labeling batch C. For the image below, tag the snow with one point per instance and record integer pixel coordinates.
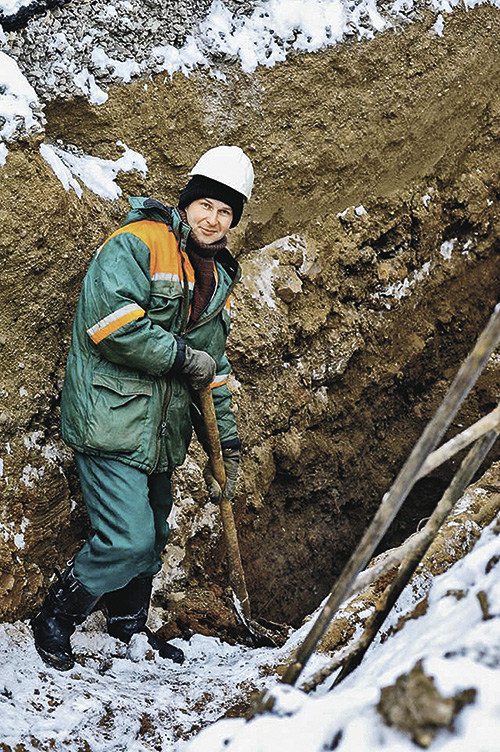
(60, 169)
(402, 288)
(439, 25)
(357, 211)
(124, 70)
(447, 247)
(262, 38)
(87, 83)
(97, 174)
(9, 7)
(465, 654)
(31, 475)
(267, 36)
(17, 100)
(89, 703)
(9, 531)
(118, 698)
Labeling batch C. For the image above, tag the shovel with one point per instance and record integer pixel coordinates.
(273, 635)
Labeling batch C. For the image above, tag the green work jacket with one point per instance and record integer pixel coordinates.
(120, 399)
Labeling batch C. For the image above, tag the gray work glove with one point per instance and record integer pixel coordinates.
(199, 367)
(231, 459)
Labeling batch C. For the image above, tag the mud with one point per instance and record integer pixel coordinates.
(346, 336)
(415, 706)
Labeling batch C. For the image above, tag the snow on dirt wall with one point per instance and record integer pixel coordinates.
(376, 209)
(82, 47)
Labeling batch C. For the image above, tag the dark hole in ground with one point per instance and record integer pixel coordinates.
(310, 536)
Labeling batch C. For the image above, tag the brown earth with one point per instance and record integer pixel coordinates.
(334, 384)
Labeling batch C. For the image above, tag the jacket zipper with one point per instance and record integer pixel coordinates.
(162, 426)
(168, 391)
(215, 313)
(184, 329)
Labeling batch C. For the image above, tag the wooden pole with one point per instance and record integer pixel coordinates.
(454, 492)
(392, 501)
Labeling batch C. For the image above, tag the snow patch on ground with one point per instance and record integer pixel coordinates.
(118, 698)
(463, 655)
(88, 707)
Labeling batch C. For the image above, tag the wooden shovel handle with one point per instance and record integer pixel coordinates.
(213, 446)
(236, 573)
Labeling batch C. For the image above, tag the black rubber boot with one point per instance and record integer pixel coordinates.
(128, 612)
(67, 604)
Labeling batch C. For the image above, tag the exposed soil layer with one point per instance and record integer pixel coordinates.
(346, 336)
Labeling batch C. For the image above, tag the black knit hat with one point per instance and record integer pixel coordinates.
(201, 187)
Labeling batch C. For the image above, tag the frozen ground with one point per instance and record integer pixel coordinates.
(83, 47)
(459, 645)
(119, 699)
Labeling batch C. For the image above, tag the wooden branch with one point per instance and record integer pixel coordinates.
(415, 553)
(445, 452)
(391, 560)
(459, 442)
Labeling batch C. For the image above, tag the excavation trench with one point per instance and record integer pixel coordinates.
(370, 265)
(329, 475)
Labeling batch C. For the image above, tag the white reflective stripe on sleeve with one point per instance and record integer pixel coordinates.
(219, 381)
(169, 278)
(115, 321)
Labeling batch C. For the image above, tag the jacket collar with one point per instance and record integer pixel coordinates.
(170, 215)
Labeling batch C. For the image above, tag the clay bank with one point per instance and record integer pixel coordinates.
(370, 266)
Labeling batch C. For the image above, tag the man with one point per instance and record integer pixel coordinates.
(150, 330)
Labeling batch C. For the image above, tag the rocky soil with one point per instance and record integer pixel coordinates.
(55, 45)
(370, 259)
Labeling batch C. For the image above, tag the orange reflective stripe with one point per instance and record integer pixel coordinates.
(219, 381)
(114, 321)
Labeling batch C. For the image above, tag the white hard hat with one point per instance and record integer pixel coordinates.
(228, 165)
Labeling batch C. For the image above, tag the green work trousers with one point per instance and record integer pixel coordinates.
(128, 512)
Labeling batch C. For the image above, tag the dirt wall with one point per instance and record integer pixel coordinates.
(346, 334)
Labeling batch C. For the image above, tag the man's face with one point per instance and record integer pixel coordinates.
(209, 219)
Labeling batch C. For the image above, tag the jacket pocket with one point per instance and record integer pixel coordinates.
(118, 412)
